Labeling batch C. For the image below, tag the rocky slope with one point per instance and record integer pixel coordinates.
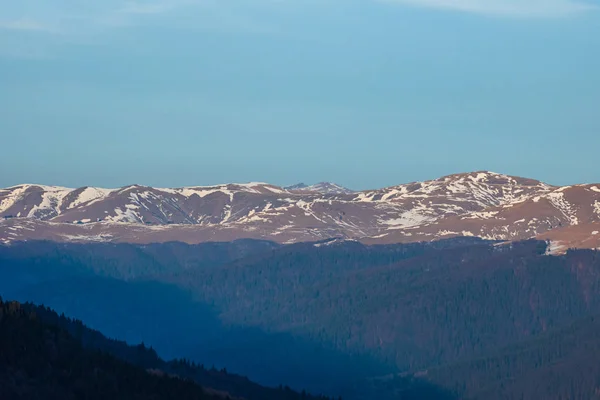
(481, 204)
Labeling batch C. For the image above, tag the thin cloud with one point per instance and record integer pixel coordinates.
(81, 22)
(159, 7)
(73, 16)
(24, 24)
(81, 19)
(510, 8)
(76, 18)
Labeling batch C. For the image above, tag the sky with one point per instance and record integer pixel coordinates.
(365, 93)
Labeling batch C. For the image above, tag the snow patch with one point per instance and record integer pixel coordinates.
(447, 233)
(127, 215)
(481, 215)
(556, 247)
(379, 236)
(365, 197)
(88, 238)
(275, 189)
(333, 242)
(12, 198)
(89, 196)
(407, 219)
(50, 205)
(557, 198)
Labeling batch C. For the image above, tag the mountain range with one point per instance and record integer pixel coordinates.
(480, 204)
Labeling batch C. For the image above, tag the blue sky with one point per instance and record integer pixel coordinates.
(366, 93)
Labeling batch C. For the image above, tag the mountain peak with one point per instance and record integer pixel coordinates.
(297, 186)
(492, 178)
(321, 187)
(329, 188)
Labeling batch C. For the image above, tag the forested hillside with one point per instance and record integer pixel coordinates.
(47, 260)
(39, 361)
(335, 317)
(560, 364)
(40, 350)
(428, 308)
(213, 380)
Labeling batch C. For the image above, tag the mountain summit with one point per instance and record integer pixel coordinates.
(297, 186)
(480, 204)
(321, 187)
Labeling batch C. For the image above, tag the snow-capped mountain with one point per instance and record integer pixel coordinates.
(297, 186)
(322, 187)
(482, 204)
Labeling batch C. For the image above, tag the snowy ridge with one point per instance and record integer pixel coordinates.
(322, 187)
(328, 188)
(482, 204)
(485, 189)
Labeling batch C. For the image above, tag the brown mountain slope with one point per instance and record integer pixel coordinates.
(482, 204)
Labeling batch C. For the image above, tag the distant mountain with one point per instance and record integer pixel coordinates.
(297, 186)
(322, 187)
(481, 204)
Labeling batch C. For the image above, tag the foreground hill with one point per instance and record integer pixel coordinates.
(42, 361)
(23, 323)
(482, 204)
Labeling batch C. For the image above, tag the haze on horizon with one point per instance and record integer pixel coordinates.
(364, 93)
